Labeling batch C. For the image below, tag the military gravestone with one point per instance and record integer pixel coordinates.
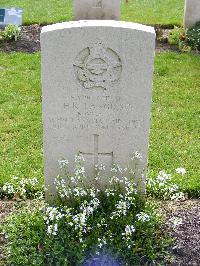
(10, 16)
(97, 9)
(192, 13)
(97, 83)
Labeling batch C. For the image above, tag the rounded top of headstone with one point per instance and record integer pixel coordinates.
(98, 23)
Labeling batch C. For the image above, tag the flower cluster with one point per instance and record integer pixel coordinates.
(21, 188)
(129, 230)
(163, 187)
(105, 215)
(63, 163)
(181, 170)
(136, 156)
(128, 235)
(52, 216)
(88, 208)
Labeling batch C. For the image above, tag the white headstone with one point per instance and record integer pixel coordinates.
(97, 9)
(97, 84)
(192, 13)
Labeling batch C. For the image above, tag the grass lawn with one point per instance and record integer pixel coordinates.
(166, 12)
(175, 117)
(175, 126)
(20, 116)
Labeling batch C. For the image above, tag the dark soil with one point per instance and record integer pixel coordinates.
(162, 44)
(165, 47)
(186, 235)
(29, 41)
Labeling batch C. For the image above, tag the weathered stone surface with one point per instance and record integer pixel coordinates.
(97, 9)
(192, 13)
(97, 83)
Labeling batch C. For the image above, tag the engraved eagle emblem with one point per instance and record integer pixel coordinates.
(98, 67)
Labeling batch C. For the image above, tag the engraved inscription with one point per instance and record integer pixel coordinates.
(96, 152)
(98, 67)
(88, 113)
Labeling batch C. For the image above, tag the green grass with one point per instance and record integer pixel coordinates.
(20, 116)
(166, 12)
(175, 117)
(175, 126)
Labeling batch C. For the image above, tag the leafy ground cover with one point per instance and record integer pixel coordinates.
(174, 131)
(169, 12)
(88, 223)
(83, 226)
(181, 218)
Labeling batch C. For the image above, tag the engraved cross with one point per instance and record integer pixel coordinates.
(96, 152)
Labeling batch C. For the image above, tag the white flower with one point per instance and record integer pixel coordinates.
(143, 217)
(78, 191)
(163, 177)
(129, 230)
(52, 229)
(33, 181)
(79, 158)
(113, 169)
(114, 179)
(63, 163)
(101, 242)
(181, 170)
(100, 167)
(92, 193)
(23, 182)
(100, 245)
(9, 188)
(177, 196)
(116, 168)
(55, 229)
(52, 214)
(109, 192)
(49, 229)
(176, 221)
(79, 171)
(136, 155)
(95, 202)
